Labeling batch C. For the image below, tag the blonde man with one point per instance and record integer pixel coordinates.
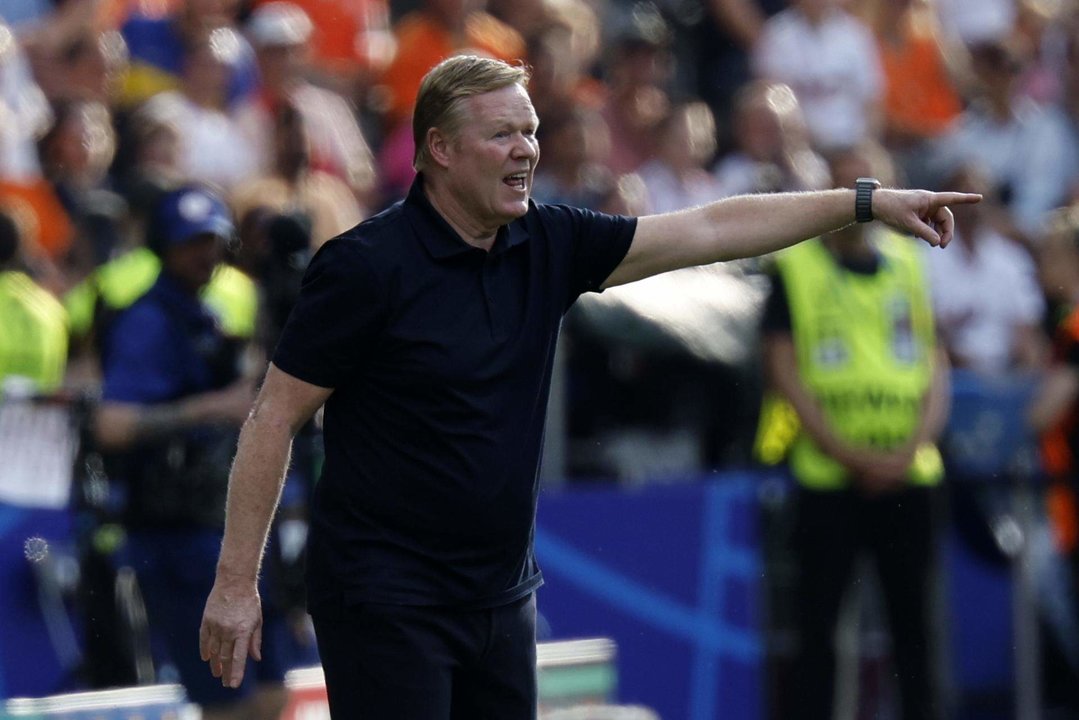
(428, 332)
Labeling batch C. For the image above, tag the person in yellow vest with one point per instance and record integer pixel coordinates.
(850, 344)
(33, 323)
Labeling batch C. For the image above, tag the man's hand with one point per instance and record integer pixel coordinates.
(920, 213)
(231, 628)
(875, 472)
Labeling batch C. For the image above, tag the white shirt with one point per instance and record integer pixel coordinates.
(212, 147)
(976, 20)
(1033, 154)
(834, 70)
(336, 143)
(980, 298)
(24, 112)
(668, 192)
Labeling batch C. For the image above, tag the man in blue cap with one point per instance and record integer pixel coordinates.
(173, 399)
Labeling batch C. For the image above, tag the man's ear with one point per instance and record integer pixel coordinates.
(438, 146)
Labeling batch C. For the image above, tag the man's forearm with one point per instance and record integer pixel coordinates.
(255, 484)
(938, 402)
(750, 225)
(735, 227)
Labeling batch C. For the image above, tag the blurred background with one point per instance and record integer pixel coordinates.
(666, 521)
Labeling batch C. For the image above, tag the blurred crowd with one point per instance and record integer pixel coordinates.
(303, 109)
(297, 114)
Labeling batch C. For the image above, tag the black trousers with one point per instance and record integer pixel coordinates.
(898, 531)
(404, 662)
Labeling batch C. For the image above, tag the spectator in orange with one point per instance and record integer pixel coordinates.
(437, 30)
(560, 52)
(920, 97)
(352, 43)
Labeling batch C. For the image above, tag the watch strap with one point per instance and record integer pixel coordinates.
(863, 198)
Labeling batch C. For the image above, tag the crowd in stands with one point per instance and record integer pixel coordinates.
(298, 114)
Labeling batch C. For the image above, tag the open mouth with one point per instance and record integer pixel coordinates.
(517, 181)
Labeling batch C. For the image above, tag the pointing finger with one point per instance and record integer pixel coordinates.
(955, 198)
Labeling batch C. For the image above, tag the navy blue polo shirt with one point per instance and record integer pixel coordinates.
(440, 357)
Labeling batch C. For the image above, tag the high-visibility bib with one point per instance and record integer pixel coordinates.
(33, 332)
(865, 349)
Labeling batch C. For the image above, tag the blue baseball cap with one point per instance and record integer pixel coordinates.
(187, 212)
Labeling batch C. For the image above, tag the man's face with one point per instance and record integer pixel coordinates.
(193, 262)
(493, 156)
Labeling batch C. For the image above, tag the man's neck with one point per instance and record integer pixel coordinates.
(451, 210)
(849, 243)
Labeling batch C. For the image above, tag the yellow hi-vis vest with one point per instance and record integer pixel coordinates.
(231, 294)
(33, 332)
(865, 349)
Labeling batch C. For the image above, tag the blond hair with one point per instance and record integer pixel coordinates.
(446, 85)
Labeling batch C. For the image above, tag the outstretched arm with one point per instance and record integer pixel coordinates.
(232, 621)
(750, 225)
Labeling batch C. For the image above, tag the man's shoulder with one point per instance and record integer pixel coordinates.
(378, 239)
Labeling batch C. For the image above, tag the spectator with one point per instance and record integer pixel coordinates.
(33, 334)
(75, 156)
(25, 110)
(1054, 414)
(866, 471)
(974, 21)
(772, 151)
(561, 52)
(159, 45)
(83, 65)
(830, 60)
(213, 149)
(637, 71)
(293, 186)
(173, 398)
(725, 42)
(1029, 155)
(280, 33)
(26, 116)
(433, 32)
(989, 332)
(677, 177)
(1069, 98)
(438, 29)
(920, 96)
(352, 43)
(575, 167)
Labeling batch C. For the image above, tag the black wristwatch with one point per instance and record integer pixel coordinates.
(863, 198)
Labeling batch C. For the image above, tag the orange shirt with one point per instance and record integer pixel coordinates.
(46, 224)
(919, 97)
(345, 31)
(422, 43)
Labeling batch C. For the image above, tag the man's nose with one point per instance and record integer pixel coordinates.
(525, 147)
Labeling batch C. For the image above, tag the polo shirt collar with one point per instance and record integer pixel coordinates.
(439, 237)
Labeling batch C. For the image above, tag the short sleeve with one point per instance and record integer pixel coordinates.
(598, 243)
(777, 312)
(336, 317)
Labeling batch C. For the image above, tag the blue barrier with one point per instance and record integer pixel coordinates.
(38, 654)
(673, 574)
